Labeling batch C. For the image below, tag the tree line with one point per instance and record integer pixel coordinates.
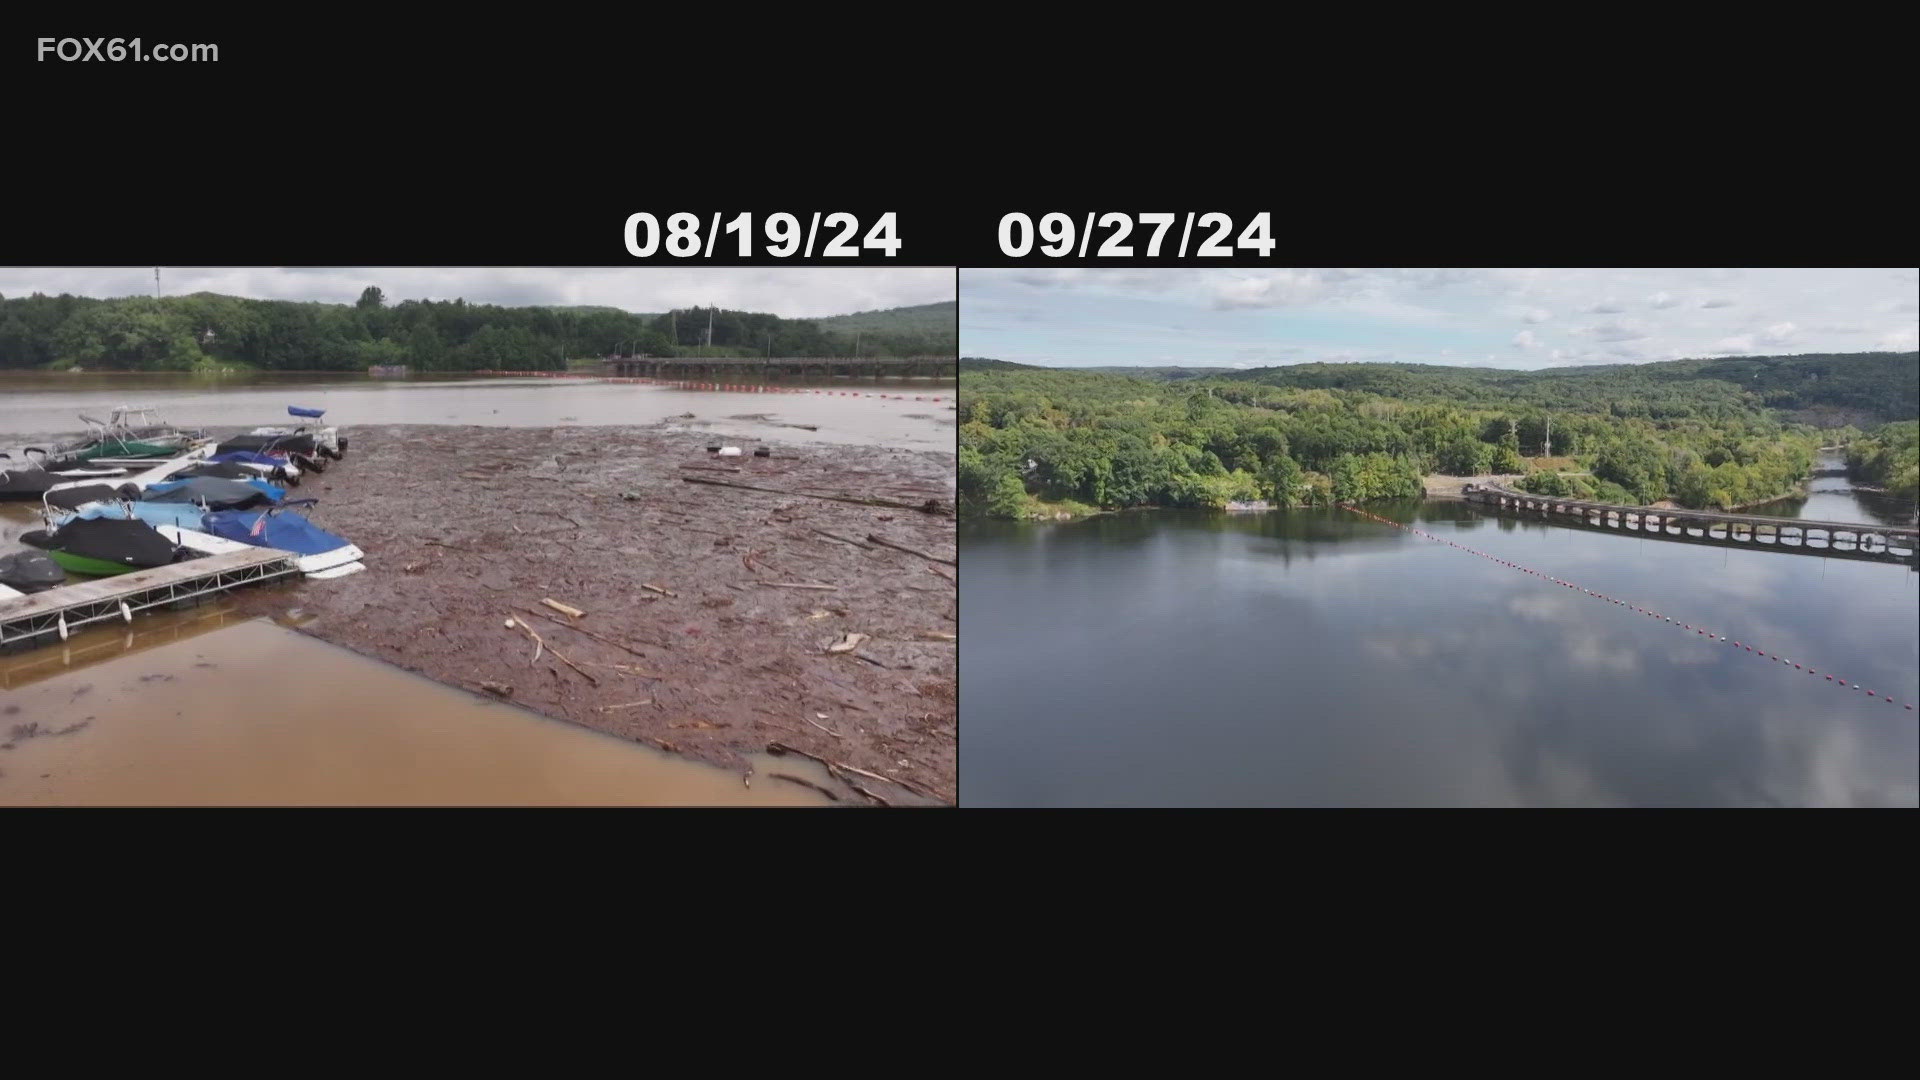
(207, 331)
(1038, 441)
(1888, 458)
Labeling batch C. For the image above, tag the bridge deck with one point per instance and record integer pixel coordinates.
(1905, 531)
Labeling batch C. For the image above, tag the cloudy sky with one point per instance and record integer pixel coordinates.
(798, 292)
(1485, 318)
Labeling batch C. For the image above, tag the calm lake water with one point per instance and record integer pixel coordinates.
(1314, 658)
(41, 406)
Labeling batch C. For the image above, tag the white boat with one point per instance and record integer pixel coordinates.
(156, 473)
(327, 565)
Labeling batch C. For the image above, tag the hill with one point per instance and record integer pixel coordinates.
(1831, 387)
(209, 330)
(932, 320)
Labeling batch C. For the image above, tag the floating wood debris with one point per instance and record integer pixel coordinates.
(804, 783)
(931, 506)
(540, 645)
(798, 585)
(658, 589)
(564, 609)
(842, 539)
(884, 542)
(847, 643)
(598, 637)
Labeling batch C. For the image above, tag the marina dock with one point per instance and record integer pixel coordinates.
(52, 615)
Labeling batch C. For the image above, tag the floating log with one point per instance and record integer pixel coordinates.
(931, 506)
(883, 542)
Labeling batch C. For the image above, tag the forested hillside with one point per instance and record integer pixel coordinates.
(930, 322)
(208, 331)
(1886, 385)
(1702, 433)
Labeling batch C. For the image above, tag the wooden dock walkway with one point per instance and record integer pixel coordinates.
(59, 611)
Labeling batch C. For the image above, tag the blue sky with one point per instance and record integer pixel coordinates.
(1508, 318)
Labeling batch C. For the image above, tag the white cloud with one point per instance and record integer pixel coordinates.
(1447, 316)
(1900, 340)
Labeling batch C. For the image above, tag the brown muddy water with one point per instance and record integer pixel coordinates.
(210, 708)
(40, 406)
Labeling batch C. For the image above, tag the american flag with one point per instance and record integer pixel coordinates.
(259, 524)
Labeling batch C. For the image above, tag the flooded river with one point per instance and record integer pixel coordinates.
(205, 708)
(43, 407)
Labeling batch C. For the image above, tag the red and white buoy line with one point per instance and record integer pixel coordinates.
(734, 388)
(1649, 612)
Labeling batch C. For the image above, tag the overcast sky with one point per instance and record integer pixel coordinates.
(798, 292)
(1486, 318)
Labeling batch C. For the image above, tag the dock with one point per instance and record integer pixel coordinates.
(53, 614)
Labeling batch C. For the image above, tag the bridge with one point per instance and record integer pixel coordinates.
(1842, 539)
(776, 367)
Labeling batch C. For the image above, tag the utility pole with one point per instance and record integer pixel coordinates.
(156, 283)
(1549, 436)
(710, 312)
(856, 344)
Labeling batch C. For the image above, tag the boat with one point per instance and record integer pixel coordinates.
(234, 470)
(180, 515)
(316, 549)
(215, 493)
(327, 441)
(268, 465)
(29, 572)
(106, 546)
(128, 432)
(70, 496)
(154, 474)
(25, 481)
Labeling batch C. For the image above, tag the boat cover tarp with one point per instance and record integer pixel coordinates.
(225, 470)
(295, 410)
(302, 444)
(217, 492)
(124, 541)
(281, 529)
(30, 571)
(179, 515)
(68, 498)
(248, 457)
(26, 482)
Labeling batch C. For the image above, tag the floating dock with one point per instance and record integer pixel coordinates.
(52, 615)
